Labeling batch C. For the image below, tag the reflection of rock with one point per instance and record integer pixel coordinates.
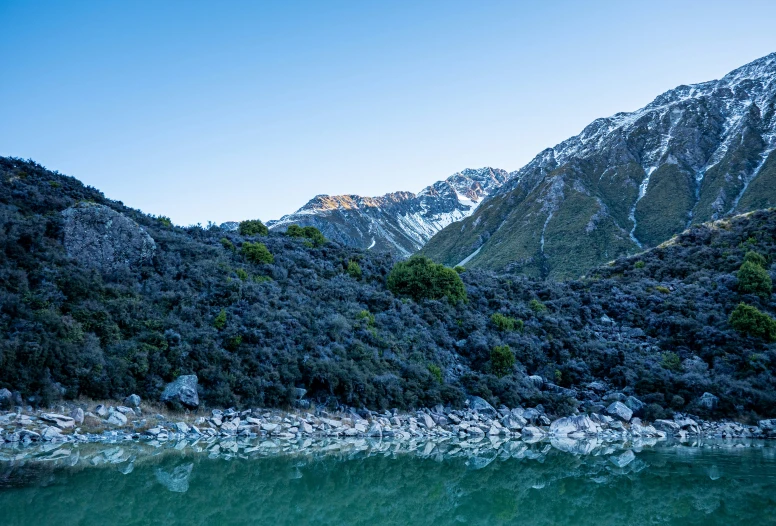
(98, 236)
(622, 460)
(574, 446)
(579, 425)
(176, 480)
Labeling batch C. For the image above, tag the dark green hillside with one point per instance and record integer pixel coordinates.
(319, 316)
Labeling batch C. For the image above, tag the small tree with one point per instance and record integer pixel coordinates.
(220, 321)
(256, 253)
(253, 227)
(354, 270)
(310, 233)
(502, 360)
(506, 323)
(752, 276)
(421, 279)
(749, 320)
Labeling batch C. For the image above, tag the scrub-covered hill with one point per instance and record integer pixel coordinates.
(100, 300)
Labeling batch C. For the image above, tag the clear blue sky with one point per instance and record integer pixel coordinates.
(228, 110)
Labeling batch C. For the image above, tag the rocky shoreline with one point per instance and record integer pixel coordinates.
(134, 421)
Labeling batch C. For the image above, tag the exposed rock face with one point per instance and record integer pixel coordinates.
(97, 236)
(709, 401)
(480, 405)
(629, 181)
(620, 410)
(399, 222)
(182, 392)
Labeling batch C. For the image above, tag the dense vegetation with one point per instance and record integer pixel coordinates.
(321, 316)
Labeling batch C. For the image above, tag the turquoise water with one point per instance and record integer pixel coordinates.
(526, 485)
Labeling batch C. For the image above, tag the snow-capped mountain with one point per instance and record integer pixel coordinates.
(630, 181)
(399, 222)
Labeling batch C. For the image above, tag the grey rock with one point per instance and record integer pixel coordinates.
(99, 237)
(77, 415)
(667, 426)
(182, 392)
(52, 433)
(117, 419)
(61, 421)
(708, 401)
(635, 405)
(620, 410)
(132, 400)
(481, 406)
(580, 425)
(182, 427)
(101, 411)
(6, 399)
(536, 380)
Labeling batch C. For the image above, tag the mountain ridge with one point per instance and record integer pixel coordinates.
(629, 181)
(397, 222)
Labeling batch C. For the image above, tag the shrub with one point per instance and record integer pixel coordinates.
(671, 361)
(459, 269)
(754, 279)
(420, 279)
(506, 323)
(639, 264)
(228, 245)
(310, 233)
(164, 220)
(502, 360)
(242, 274)
(354, 270)
(256, 253)
(537, 306)
(749, 320)
(754, 257)
(663, 290)
(435, 371)
(367, 316)
(220, 321)
(253, 227)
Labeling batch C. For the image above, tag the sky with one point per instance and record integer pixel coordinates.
(217, 111)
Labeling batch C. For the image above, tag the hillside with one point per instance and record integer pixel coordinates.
(630, 181)
(100, 300)
(399, 222)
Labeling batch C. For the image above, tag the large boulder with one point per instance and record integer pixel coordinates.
(132, 400)
(99, 237)
(635, 405)
(620, 410)
(574, 426)
(481, 406)
(182, 392)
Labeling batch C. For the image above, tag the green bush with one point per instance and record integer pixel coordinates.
(663, 290)
(506, 323)
(253, 227)
(228, 245)
(354, 270)
(166, 221)
(367, 316)
(537, 306)
(421, 279)
(220, 321)
(459, 269)
(639, 264)
(256, 253)
(307, 232)
(242, 274)
(749, 320)
(753, 278)
(502, 360)
(436, 372)
(671, 361)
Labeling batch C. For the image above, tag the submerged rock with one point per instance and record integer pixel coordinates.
(176, 480)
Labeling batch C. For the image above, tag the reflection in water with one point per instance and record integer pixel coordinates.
(379, 482)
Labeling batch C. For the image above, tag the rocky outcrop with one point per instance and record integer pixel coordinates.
(182, 392)
(99, 237)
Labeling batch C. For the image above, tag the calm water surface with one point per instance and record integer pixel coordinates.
(537, 485)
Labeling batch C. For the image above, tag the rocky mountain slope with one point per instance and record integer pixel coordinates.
(399, 222)
(630, 181)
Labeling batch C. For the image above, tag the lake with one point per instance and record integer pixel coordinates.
(365, 482)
